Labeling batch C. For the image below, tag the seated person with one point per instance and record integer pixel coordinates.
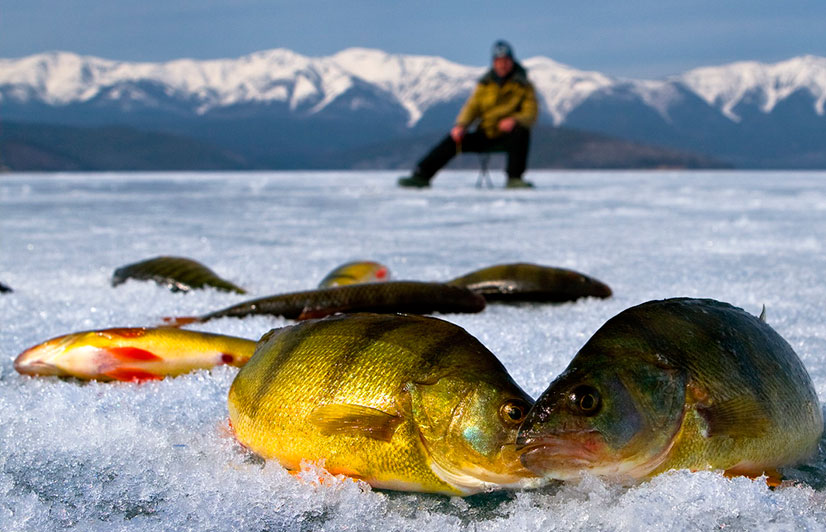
(504, 104)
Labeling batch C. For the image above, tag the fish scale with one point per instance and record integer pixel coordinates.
(132, 353)
(403, 402)
(531, 282)
(324, 382)
(176, 273)
(747, 405)
(413, 297)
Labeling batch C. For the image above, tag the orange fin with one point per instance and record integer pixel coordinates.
(315, 313)
(132, 375)
(225, 429)
(171, 321)
(774, 478)
(131, 354)
(123, 332)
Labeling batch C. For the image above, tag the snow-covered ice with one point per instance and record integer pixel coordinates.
(156, 456)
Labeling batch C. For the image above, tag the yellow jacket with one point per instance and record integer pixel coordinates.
(491, 102)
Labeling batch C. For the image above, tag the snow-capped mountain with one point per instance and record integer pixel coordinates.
(726, 87)
(360, 95)
(275, 76)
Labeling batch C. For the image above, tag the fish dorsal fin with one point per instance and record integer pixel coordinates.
(355, 420)
(737, 417)
(763, 314)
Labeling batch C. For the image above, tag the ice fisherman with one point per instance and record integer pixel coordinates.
(503, 107)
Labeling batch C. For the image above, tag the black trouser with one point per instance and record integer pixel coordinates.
(515, 144)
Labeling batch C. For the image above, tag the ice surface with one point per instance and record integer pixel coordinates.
(156, 456)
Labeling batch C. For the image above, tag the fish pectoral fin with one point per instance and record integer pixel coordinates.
(131, 354)
(180, 321)
(314, 313)
(127, 374)
(355, 420)
(737, 417)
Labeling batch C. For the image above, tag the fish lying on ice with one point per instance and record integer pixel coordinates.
(135, 353)
(356, 272)
(411, 297)
(531, 282)
(675, 384)
(5, 289)
(403, 402)
(179, 274)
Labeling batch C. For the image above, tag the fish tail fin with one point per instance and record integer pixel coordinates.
(225, 429)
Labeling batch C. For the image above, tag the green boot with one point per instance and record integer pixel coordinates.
(414, 181)
(518, 182)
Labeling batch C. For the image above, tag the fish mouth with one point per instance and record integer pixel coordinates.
(38, 360)
(32, 364)
(562, 456)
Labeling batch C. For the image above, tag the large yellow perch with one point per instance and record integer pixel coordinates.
(134, 353)
(403, 402)
(676, 384)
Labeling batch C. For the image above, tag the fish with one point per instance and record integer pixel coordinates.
(132, 354)
(677, 383)
(179, 274)
(403, 402)
(356, 272)
(5, 289)
(531, 282)
(412, 297)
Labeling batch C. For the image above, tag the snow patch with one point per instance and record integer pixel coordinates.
(157, 456)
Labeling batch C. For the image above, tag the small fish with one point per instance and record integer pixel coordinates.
(406, 403)
(412, 297)
(531, 282)
(356, 272)
(5, 289)
(132, 354)
(179, 274)
(675, 384)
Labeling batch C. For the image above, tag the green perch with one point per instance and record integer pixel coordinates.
(412, 297)
(531, 282)
(179, 274)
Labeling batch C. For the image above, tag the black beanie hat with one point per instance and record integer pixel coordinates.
(502, 49)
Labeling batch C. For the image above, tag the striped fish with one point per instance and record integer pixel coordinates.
(179, 274)
(132, 354)
(412, 297)
(403, 402)
(531, 282)
(676, 384)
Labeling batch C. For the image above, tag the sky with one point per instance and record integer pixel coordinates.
(633, 38)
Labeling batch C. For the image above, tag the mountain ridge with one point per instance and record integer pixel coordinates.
(64, 77)
(359, 96)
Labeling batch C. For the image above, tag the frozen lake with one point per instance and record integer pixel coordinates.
(156, 456)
